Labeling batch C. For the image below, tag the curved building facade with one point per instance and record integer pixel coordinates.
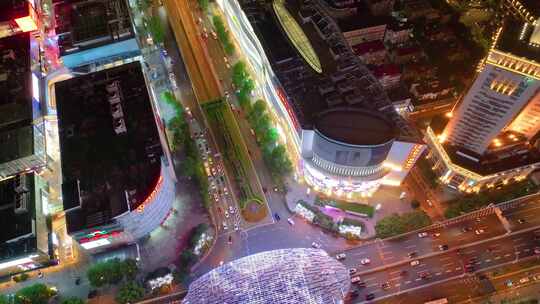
(307, 74)
(292, 276)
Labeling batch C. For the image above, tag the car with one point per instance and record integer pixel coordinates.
(411, 254)
(536, 250)
(466, 229)
(403, 273)
(365, 261)
(199, 20)
(315, 245)
(422, 234)
(536, 277)
(352, 271)
(370, 296)
(385, 285)
(361, 284)
(443, 247)
(231, 210)
(478, 219)
(227, 65)
(341, 256)
(524, 280)
(225, 226)
(276, 216)
(435, 235)
(290, 221)
(415, 262)
(469, 267)
(230, 239)
(225, 59)
(424, 275)
(355, 279)
(214, 35)
(236, 228)
(521, 221)
(479, 231)
(354, 294)
(226, 214)
(92, 294)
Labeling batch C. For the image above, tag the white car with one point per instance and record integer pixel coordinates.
(415, 262)
(231, 210)
(236, 227)
(341, 256)
(479, 231)
(226, 214)
(365, 261)
(315, 245)
(225, 226)
(524, 280)
(355, 279)
(422, 234)
(290, 221)
(352, 271)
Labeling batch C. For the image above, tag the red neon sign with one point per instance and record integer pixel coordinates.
(152, 195)
(285, 103)
(99, 235)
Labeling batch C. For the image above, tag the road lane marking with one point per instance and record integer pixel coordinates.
(449, 270)
(394, 272)
(507, 255)
(397, 285)
(417, 279)
(488, 260)
(458, 268)
(410, 246)
(371, 285)
(438, 273)
(478, 263)
(497, 257)
(445, 258)
(370, 279)
(447, 264)
(408, 282)
(527, 249)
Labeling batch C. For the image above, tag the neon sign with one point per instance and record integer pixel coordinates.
(152, 195)
(99, 234)
(285, 102)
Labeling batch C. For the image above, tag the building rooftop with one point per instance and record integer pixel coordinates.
(515, 38)
(15, 80)
(287, 276)
(344, 81)
(12, 9)
(368, 47)
(363, 19)
(342, 125)
(17, 211)
(109, 145)
(505, 156)
(85, 24)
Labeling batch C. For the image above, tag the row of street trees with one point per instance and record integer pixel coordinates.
(192, 165)
(274, 154)
(223, 35)
(114, 272)
(396, 224)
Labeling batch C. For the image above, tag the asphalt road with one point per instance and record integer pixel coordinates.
(490, 249)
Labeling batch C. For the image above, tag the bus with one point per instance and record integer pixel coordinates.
(438, 301)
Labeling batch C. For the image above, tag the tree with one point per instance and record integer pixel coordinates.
(6, 299)
(187, 258)
(129, 293)
(262, 124)
(280, 162)
(73, 300)
(398, 224)
(108, 272)
(203, 4)
(34, 294)
(156, 29)
(130, 269)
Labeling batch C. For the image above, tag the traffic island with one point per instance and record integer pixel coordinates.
(254, 211)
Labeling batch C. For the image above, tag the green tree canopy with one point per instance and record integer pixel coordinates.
(34, 294)
(396, 224)
(129, 293)
(73, 300)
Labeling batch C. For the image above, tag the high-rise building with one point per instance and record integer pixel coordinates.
(492, 135)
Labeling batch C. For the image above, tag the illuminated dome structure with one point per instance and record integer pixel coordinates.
(285, 276)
